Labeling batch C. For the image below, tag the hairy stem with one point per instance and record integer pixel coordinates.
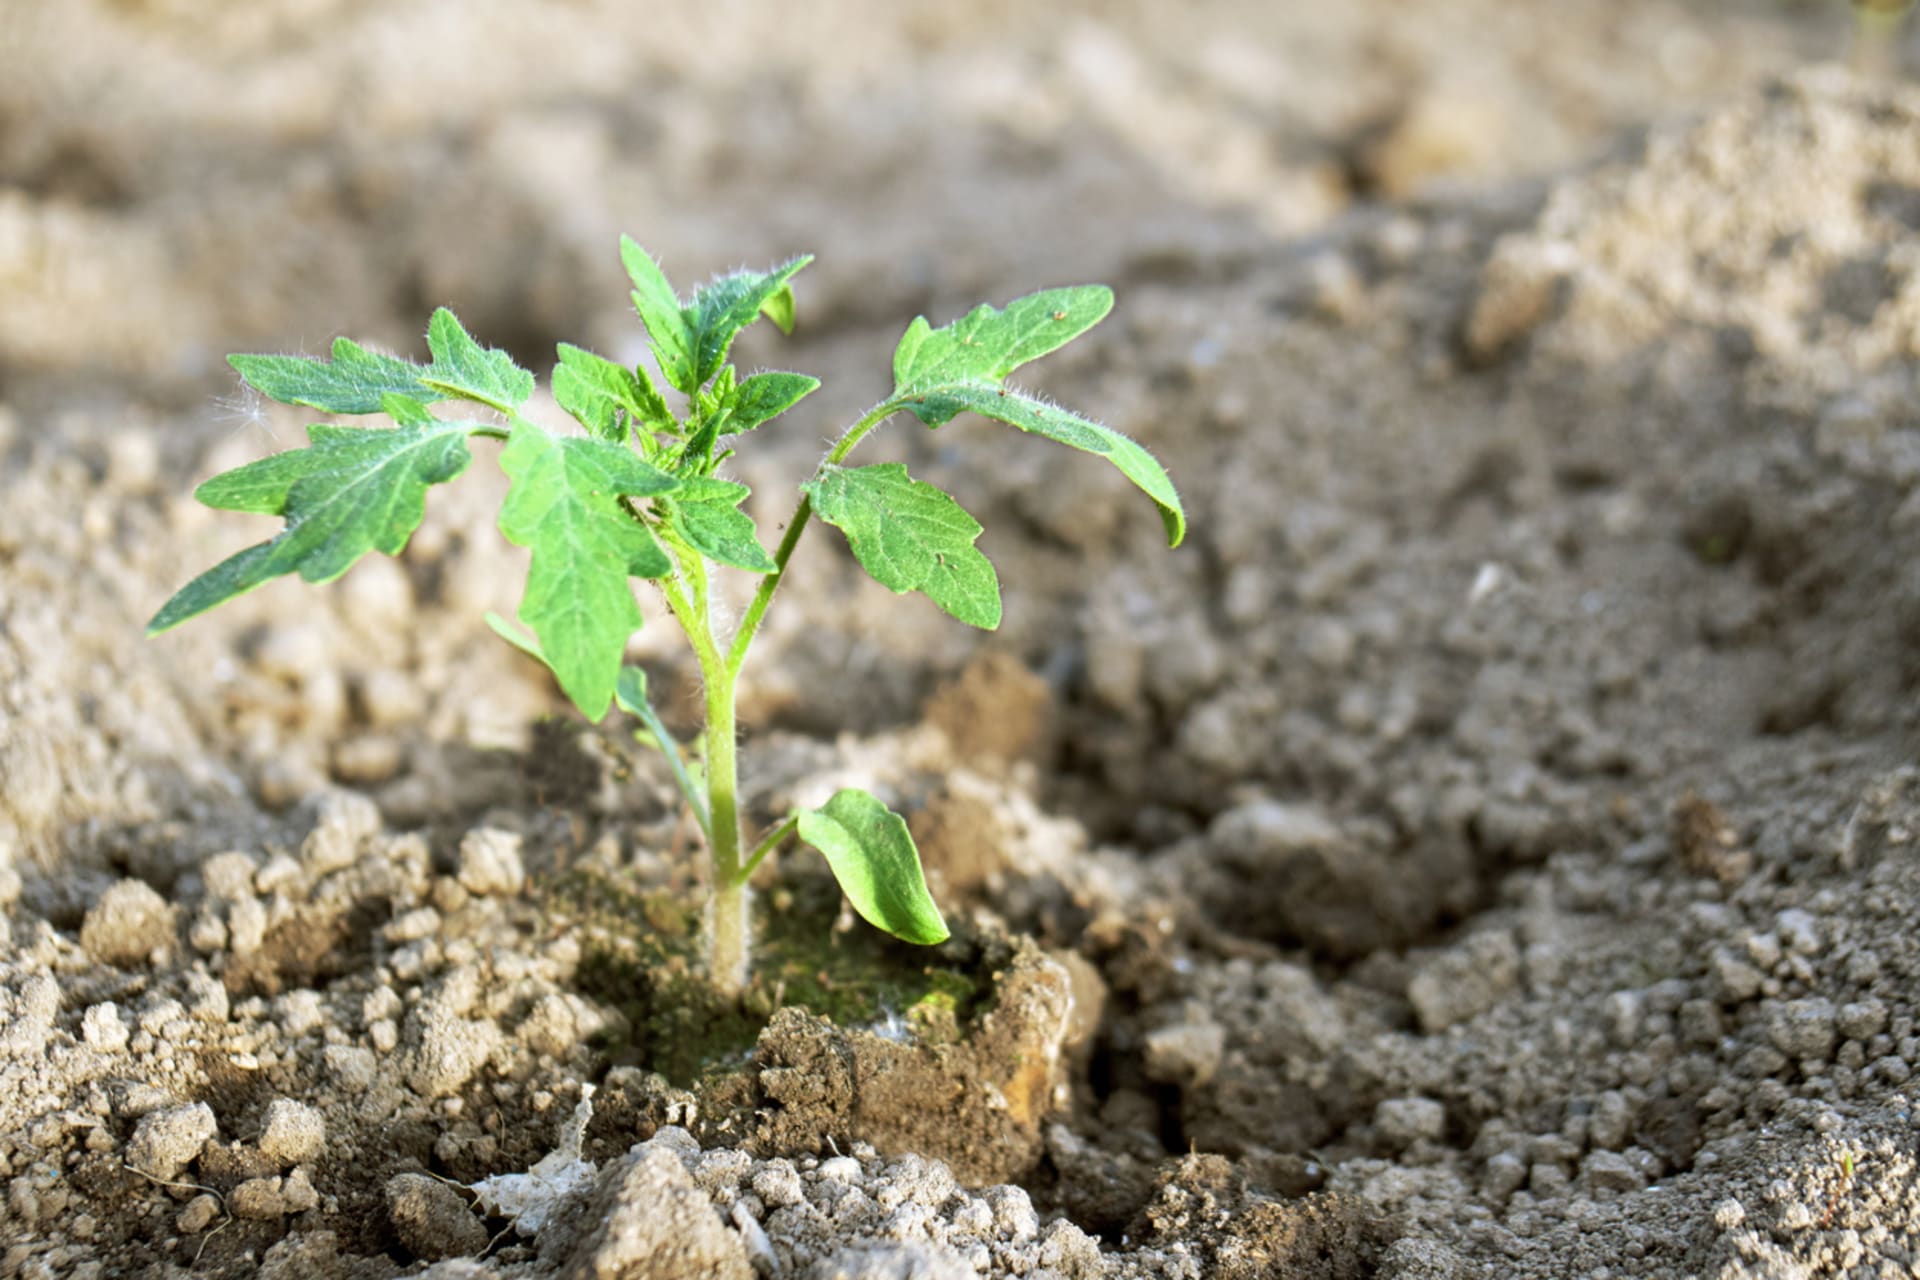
(802, 514)
(728, 925)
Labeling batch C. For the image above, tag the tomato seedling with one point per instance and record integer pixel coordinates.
(638, 495)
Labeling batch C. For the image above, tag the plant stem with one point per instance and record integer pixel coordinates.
(750, 622)
(728, 922)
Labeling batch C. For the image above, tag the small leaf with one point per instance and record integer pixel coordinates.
(762, 398)
(706, 512)
(513, 635)
(630, 691)
(462, 367)
(988, 344)
(350, 491)
(564, 506)
(722, 309)
(596, 391)
(872, 855)
(938, 404)
(352, 382)
(661, 312)
(911, 537)
(779, 309)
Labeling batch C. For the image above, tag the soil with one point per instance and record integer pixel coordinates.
(1490, 847)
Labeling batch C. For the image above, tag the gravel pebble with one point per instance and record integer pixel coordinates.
(294, 1132)
(165, 1142)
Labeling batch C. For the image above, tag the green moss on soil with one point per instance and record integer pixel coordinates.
(640, 954)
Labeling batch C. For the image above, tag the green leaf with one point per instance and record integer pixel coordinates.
(762, 398)
(987, 344)
(356, 379)
(779, 309)
(871, 853)
(352, 382)
(350, 491)
(706, 512)
(596, 391)
(513, 635)
(661, 312)
(462, 367)
(938, 404)
(911, 537)
(564, 505)
(722, 309)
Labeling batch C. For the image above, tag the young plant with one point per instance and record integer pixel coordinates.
(638, 496)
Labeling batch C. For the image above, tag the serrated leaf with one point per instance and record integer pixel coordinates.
(762, 398)
(873, 857)
(987, 344)
(352, 382)
(938, 404)
(706, 512)
(350, 491)
(661, 312)
(596, 391)
(564, 506)
(910, 536)
(462, 367)
(722, 309)
(356, 379)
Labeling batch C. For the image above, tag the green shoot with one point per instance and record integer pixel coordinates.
(636, 496)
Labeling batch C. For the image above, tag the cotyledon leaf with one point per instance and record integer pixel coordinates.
(939, 403)
(706, 512)
(910, 536)
(989, 344)
(355, 380)
(350, 491)
(564, 506)
(872, 855)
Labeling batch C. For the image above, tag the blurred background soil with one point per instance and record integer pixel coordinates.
(1487, 848)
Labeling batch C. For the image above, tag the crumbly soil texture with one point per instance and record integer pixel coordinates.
(1490, 847)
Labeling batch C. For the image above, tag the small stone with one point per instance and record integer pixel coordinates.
(165, 1142)
(1739, 981)
(1861, 1019)
(198, 1215)
(344, 820)
(1187, 1054)
(778, 1183)
(102, 1028)
(1611, 1171)
(351, 1066)
(391, 699)
(207, 998)
(653, 1220)
(1801, 1029)
(128, 925)
(1401, 1122)
(298, 1192)
(368, 759)
(490, 863)
(1799, 931)
(294, 1134)
(432, 1219)
(229, 875)
(258, 1199)
(1013, 1213)
(840, 1169)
